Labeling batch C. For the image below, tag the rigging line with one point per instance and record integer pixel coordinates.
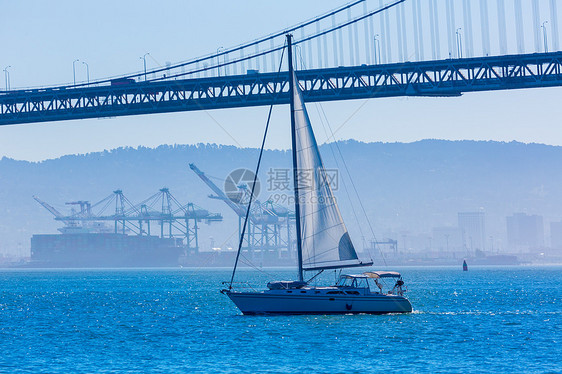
(355, 189)
(254, 184)
(222, 128)
(343, 180)
(317, 274)
(248, 262)
(325, 119)
(346, 121)
(338, 166)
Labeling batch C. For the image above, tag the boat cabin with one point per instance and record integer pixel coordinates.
(372, 280)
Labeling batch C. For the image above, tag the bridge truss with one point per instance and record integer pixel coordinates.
(450, 77)
(363, 49)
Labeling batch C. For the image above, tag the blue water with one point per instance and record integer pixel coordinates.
(488, 319)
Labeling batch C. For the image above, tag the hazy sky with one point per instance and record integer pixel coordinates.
(41, 39)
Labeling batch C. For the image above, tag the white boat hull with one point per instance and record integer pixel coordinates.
(271, 302)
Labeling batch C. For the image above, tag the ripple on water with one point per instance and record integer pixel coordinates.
(172, 320)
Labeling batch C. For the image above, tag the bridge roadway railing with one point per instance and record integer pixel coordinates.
(449, 77)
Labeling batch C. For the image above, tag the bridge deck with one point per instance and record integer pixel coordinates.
(449, 77)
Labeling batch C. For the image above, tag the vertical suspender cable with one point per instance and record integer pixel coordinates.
(325, 39)
(485, 26)
(367, 36)
(250, 61)
(257, 58)
(467, 18)
(356, 39)
(420, 30)
(265, 62)
(382, 37)
(437, 39)
(242, 65)
(335, 40)
(536, 26)
(350, 34)
(399, 34)
(416, 36)
(451, 29)
(227, 65)
(519, 26)
(302, 47)
(319, 46)
(404, 34)
(554, 25)
(371, 39)
(340, 38)
(310, 54)
(272, 46)
(387, 36)
(470, 27)
(502, 28)
(235, 67)
(432, 29)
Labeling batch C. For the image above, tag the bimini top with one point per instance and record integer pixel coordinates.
(354, 276)
(382, 274)
(373, 274)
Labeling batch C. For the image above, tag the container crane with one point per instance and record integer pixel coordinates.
(176, 220)
(58, 215)
(269, 225)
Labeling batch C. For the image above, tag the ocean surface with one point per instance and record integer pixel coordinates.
(489, 319)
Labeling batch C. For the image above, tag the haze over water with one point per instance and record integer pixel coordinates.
(493, 319)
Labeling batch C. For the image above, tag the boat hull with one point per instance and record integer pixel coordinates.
(266, 302)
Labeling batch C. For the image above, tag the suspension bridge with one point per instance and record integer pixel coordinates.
(364, 49)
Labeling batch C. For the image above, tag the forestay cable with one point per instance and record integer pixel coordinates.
(254, 184)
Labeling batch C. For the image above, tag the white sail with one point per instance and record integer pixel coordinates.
(325, 241)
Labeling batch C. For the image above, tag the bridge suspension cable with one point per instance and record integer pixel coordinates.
(380, 46)
(375, 32)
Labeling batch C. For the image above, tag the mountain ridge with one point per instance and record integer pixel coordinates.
(403, 186)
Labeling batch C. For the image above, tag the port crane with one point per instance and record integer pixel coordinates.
(69, 222)
(269, 224)
(175, 220)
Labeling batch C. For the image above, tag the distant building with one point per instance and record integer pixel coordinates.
(473, 228)
(556, 235)
(447, 239)
(524, 231)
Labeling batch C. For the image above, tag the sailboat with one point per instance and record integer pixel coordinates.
(323, 242)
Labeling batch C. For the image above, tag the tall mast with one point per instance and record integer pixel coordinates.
(294, 149)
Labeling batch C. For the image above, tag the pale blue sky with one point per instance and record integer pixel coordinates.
(41, 39)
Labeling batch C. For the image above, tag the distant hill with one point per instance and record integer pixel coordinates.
(413, 186)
